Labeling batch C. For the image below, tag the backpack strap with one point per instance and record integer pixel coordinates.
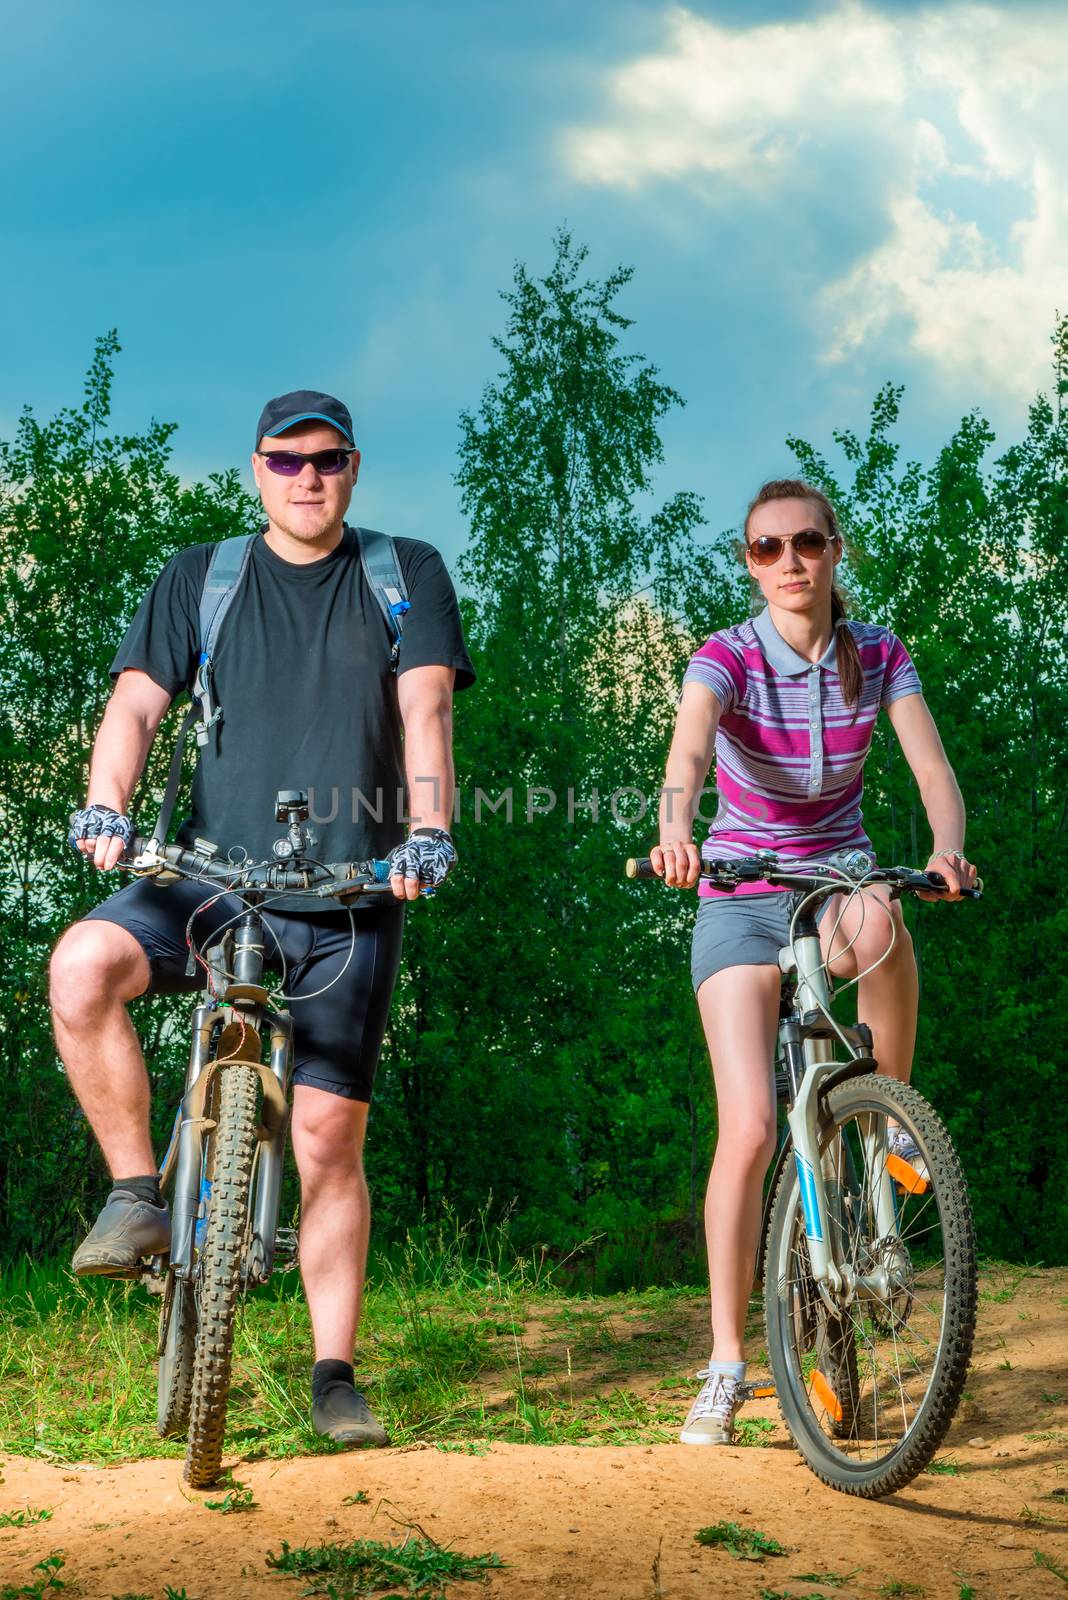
(228, 564)
(381, 568)
(226, 569)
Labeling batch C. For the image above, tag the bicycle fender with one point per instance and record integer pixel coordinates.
(274, 1100)
(846, 1069)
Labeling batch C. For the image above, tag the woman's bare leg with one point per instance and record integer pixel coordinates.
(739, 1011)
(888, 999)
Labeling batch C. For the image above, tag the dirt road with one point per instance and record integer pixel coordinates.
(590, 1522)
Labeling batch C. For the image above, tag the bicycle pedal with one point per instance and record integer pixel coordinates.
(285, 1248)
(153, 1274)
(757, 1391)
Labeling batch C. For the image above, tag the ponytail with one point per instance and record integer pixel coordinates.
(850, 671)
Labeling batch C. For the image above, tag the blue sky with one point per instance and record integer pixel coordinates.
(815, 198)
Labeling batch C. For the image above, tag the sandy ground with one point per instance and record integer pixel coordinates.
(574, 1521)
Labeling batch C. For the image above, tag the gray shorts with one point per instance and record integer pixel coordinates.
(740, 930)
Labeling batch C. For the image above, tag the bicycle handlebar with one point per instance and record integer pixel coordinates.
(345, 880)
(729, 873)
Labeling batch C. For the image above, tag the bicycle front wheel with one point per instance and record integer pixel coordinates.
(868, 1383)
(230, 1165)
(177, 1348)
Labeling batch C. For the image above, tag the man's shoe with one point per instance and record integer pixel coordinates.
(126, 1232)
(342, 1413)
(711, 1418)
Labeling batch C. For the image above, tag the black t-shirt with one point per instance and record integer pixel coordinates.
(302, 672)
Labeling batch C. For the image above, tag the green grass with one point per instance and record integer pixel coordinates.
(897, 1586)
(23, 1519)
(753, 1430)
(1048, 1564)
(419, 1566)
(788, 1594)
(239, 1498)
(49, 1583)
(463, 1342)
(946, 1467)
(835, 1579)
(745, 1544)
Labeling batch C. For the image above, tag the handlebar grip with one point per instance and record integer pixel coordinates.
(639, 867)
(936, 880)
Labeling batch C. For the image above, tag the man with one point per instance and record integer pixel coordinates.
(303, 671)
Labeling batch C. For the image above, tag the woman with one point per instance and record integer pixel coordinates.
(787, 701)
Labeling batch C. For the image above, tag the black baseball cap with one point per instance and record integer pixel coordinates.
(304, 405)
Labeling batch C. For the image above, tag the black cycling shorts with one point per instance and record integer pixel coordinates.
(337, 1036)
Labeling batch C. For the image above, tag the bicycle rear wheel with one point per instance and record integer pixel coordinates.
(868, 1387)
(233, 1144)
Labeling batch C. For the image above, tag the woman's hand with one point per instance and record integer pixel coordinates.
(957, 871)
(677, 861)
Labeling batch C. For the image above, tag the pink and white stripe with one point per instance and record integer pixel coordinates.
(789, 752)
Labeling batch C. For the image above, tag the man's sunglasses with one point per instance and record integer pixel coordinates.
(766, 549)
(290, 463)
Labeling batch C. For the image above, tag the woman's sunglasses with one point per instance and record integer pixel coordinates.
(290, 463)
(766, 549)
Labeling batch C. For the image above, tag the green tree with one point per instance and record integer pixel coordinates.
(543, 1049)
(966, 561)
(87, 518)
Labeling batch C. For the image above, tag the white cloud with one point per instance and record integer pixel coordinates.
(955, 115)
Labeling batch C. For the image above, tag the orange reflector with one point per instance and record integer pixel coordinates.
(825, 1395)
(763, 1391)
(906, 1176)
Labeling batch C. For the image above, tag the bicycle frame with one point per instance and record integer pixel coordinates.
(806, 1044)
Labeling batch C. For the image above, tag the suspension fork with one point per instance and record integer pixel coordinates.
(271, 1152)
(187, 1144)
(809, 1061)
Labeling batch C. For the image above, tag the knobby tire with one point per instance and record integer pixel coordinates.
(919, 1442)
(234, 1141)
(177, 1348)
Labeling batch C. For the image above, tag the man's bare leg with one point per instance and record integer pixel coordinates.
(335, 1221)
(96, 969)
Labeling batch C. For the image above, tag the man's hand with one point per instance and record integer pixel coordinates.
(957, 871)
(677, 861)
(101, 834)
(421, 863)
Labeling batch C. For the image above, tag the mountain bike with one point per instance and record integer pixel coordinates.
(224, 1164)
(869, 1263)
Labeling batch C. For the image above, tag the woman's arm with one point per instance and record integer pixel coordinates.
(676, 858)
(922, 748)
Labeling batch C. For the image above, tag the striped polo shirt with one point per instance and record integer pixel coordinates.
(789, 752)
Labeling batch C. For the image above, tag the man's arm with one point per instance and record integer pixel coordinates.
(134, 712)
(424, 695)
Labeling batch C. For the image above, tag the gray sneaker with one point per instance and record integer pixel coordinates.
(711, 1418)
(126, 1232)
(901, 1144)
(341, 1413)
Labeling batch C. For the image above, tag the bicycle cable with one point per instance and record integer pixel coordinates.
(277, 994)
